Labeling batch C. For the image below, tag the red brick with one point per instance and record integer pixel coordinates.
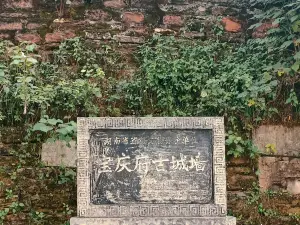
(14, 15)
(231, 25)
(116, 4)
(172, 20)
(97, 15)
(21, 4)
(10, 26)
(4, 36)
(33, 26)
(33, 38)
(59, 36)
(261, 31)
(133, 17)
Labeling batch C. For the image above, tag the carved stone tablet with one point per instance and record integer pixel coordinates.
(151, 167)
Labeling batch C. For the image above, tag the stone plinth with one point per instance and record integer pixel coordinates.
(154, 221)
(151, 171)
(59, 154)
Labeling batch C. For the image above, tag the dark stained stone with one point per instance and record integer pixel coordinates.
(151, 171)
(151, 166)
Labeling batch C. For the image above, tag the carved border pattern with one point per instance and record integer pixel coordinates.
(216, 124)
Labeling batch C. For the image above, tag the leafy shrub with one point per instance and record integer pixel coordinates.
(31, 88)
(183, 78)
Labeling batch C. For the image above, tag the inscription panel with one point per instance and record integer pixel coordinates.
(151, 166)
(93, 201)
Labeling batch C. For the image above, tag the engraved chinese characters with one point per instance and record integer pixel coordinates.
(168, 169)
(151, 166)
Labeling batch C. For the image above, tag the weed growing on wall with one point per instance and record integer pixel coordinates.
(31, 89)
(194, 78)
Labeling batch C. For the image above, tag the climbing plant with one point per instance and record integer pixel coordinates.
(208, 78)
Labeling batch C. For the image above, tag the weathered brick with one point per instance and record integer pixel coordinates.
(172, 20)
(4, 36)
(163, 31)
(116, 4)
(231, 25)
(10, 26)
(133, 17)
(239, 182)
(129, 39)
(261, 31)
(97, 15)
(201, 10)
(59, 36)
(20, 4)
(240, 161)
(218, 10)
(13, 15)
(34, 26)
(33, 38)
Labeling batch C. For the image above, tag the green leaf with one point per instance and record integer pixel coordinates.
(32, 60)
(297, 55)
(30, 48)
(296, 26)
(62, 131)
(51, 140)
(296, 65)
(286, 44)
(253, 26)
(41, 127)
(54, 121)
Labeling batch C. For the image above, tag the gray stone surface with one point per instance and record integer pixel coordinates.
(285, 139)
(193, 142)
(154, 221)
(162, 166)
(59, 154)
(151, 170)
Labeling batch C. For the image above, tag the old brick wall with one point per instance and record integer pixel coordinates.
(127, 23)
(132, 21)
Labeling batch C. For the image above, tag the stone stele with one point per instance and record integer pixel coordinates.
(151, 171)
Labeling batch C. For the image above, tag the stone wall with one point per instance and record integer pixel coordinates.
(280, 163)
(128, 23)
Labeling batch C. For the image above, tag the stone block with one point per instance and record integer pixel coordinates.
(231, 25)
(236, 182)
(293, 186)
(133, 17)
(34, 26)
(13, 15)
(33, 38)
(59, 36)
(116, 4)
(285, 139)
(261, 31)
(10, 135)
(19, 4)
(4, 36)
(280, 172)
(172, 20)
(151, 171)
(59, 154)
(97, 15)
(129, 39)
(268, 167)
(197, 8)
(154, 221)
(10, 26)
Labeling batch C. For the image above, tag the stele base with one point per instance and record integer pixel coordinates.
(154, 221)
